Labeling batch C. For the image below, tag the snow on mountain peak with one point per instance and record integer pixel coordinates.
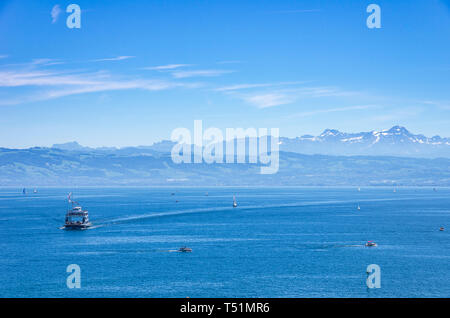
(330, 132)
(396, 141)
(395, 135)
(399, 130)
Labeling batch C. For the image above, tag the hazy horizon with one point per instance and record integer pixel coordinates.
(168, 139)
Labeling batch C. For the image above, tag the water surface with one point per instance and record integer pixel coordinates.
(279, 242)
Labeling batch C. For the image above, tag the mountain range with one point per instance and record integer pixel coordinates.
(397, 141)
(392, 157)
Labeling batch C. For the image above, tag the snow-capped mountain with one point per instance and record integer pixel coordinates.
(332, 158)
(397, 141)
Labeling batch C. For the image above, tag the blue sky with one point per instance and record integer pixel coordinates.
(136, 70)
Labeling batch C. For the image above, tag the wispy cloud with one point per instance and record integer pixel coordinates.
(281, 96)
(3, 56)
(33, 64)
(44, 84)
(109, 86)
(319, 91)
(41, 61)
(166, 67)
(333, 110)
(117, 58)
(200, 73)
(43, 78)
(444, 105)
(237, 87)
(45, 61)
(269, 100)
(56, 11)
(240, 87)
(397, 115)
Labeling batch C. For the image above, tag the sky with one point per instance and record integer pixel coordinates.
(137, 70)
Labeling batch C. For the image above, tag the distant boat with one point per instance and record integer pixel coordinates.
(24, 191)
(441, 229)
(359, 208)
(371, 244)
(185, 249)
(34, 191)
(359, 189)
(234, 202)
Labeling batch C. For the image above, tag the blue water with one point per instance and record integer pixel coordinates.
(279, 242)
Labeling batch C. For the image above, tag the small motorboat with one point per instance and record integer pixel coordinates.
(185, 249)
(441, 229)
(234, 202)
(371, 244)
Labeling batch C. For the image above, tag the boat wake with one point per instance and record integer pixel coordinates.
(157, 215)
(133, 218)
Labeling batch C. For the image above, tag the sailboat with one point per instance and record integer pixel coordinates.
(234, 202)
(359, 208)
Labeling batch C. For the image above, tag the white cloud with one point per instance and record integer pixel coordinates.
(321, 91)
(45, 62)
(281, 96)
(240, 86)
(41, 78)
(166, 67)
(249, 86)
(3, 56)
(269, 100)
(445, 105)
(199, 73)
(34, 63)
(118, 58)
(398, 115)
(44, 85)
(56, 11)
(333, 110)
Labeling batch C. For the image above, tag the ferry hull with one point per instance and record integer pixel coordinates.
(77, 226)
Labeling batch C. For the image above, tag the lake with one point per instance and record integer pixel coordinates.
(278, 242)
